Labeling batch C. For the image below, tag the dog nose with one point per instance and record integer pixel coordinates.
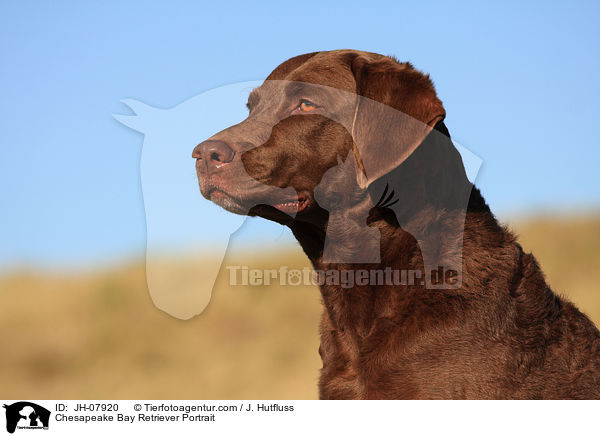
(214, 153)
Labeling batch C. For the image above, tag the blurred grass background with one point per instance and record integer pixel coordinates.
(97, 335)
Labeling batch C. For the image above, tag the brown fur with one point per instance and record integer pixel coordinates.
(502, 335)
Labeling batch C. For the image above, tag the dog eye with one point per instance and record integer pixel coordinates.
(306, 106)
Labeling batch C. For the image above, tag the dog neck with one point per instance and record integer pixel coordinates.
(432, 192)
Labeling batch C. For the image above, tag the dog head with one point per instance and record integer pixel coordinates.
(311, 111)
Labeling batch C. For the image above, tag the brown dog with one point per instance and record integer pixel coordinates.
(339, 145)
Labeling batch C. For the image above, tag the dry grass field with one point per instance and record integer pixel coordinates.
(99, 336)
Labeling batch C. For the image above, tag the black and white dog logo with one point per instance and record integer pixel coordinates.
(26, 415)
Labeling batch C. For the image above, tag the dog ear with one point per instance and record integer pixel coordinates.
(396, 108)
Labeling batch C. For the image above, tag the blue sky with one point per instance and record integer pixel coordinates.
(519, 82)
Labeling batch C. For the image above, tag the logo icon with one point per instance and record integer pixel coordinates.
(26, 415)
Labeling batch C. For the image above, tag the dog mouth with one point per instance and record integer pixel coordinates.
(293, 206)
(252, 204)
